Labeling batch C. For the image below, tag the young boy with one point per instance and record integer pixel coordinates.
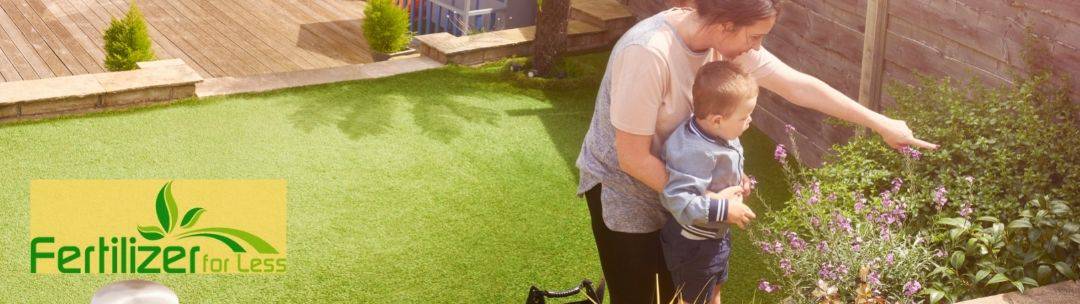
(704, 160)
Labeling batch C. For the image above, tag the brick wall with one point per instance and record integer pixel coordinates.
(963, 39)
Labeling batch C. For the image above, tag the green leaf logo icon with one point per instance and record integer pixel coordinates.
(166, 209)
(191, 217)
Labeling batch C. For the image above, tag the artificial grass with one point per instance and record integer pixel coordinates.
(453, 185)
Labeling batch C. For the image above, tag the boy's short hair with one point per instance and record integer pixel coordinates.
(719, 87)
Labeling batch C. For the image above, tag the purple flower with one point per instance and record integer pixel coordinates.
(938, 253)
(797, 243)
(826, 272)
(969, 179)
(966, 210)
(841, 222)
(753, 182)
(860, 202)
(911, 153)
(823, 246)
(785, 265)
(789, 129)
(912, 287)
(896, 183)
(830, 272)
(856, 244)
(939, 197)
(873, 278)
(889, 259)
(764, 285)
(814, 221)
(832, 197)
(885, 235)
(780, 154)
(767, 247)
(778, 246)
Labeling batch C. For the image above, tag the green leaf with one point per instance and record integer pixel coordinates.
(1019, 286)
(958, 222)
(1075, 237)
(989, 219)
(1020, 223)
(1044, 273)
(1065, 269)
(166, 208)
(1059, 207)
(979, 276)
(935, 295)
(998, 278)
(1029, 281)
(191, 217)
(957, 259)
(152, 233)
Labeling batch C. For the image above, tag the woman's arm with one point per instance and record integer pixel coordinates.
(808, 91)
(636, 159)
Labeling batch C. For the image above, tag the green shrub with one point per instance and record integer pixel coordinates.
(127, 42)
(386, 26)
(995, 206)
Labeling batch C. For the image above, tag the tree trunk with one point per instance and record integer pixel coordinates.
(551, 23)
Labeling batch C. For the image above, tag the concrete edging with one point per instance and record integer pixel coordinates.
(154, 82)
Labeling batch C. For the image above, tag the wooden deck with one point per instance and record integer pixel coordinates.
(218, 38)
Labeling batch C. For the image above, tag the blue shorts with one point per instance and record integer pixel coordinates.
(696, 265)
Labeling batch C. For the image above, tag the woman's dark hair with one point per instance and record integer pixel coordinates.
(738, 12)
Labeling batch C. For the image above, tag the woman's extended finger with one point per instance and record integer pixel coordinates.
(922, 144)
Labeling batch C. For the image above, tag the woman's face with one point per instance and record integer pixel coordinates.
(732, 43)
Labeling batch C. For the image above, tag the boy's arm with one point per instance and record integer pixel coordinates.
(684, 195)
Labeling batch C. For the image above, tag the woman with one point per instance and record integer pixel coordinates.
(645, 93)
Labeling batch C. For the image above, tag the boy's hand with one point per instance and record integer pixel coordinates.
(739, 214)
(728, 193)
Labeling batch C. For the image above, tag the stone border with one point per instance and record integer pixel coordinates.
(154, 82)
(1066, 292)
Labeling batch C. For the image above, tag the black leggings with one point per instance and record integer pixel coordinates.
(631, 261)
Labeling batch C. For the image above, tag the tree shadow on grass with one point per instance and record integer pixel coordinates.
(444, 102)
(442, 109)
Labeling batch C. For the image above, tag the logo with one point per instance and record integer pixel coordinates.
(125, 226)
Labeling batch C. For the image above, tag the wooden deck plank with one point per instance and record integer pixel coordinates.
(81, 28)
(61, 35)
(321, 38)
(7, 70)
(52, 44)
(277, 27)
(347, 27)
(259, 35)
(192, 42)
(45, 63)
(245, 57)
(313, 41)
(14, 56)
(293, 32)
(224, 51)
(272, 61)
(271, 32)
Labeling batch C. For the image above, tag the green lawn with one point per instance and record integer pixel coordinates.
(453, 185)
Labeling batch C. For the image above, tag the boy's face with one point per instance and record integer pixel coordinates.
(731, 126)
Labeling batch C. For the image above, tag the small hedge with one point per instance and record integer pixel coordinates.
(386, 26)
(127, 42)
